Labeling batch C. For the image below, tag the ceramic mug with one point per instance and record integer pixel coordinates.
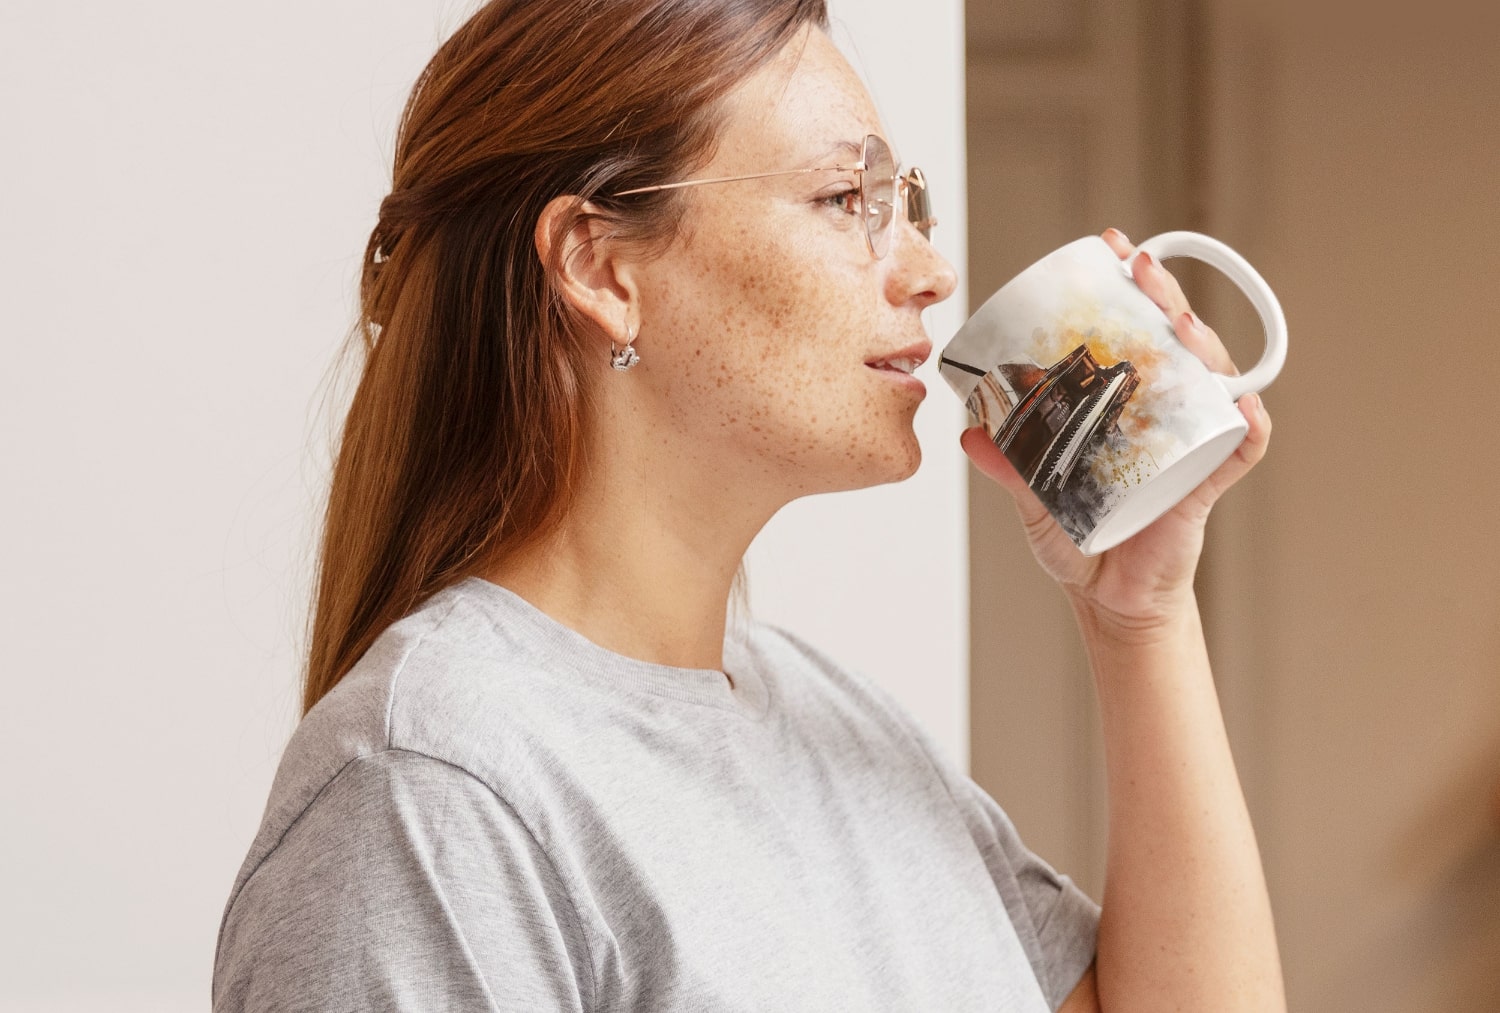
(1079, 377)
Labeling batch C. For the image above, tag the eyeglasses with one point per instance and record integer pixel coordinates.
(881, 192)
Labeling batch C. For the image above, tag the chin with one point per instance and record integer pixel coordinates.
(898, 461)
(882, 461)
(914, 461)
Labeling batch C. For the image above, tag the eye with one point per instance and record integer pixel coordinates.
(846, 200)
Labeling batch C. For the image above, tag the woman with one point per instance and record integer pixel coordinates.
(539, 768)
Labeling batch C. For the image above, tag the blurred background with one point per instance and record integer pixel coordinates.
(187, 189)
(1351, 585)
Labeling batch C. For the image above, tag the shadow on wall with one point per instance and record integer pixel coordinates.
(1444, 952)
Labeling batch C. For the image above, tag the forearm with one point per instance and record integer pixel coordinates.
(1187, 921)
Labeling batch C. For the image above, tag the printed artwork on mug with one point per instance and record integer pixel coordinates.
(1087, 415)
(1080, 379)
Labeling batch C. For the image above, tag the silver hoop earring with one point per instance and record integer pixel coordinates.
(624, 358)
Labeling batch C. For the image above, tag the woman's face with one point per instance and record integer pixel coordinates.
(766, 324)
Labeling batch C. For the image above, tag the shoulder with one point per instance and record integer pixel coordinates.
(466, 673)
(413, 690)
(404, 870)
(449, 684)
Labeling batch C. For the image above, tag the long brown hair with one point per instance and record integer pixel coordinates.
(465, 435)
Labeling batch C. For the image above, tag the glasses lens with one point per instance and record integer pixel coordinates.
(878, 193)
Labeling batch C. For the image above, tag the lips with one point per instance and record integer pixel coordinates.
(903, 360)
(904, 365)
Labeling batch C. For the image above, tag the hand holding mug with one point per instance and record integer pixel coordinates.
(1109, 412)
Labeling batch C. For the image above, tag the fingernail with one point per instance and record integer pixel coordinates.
(1148, 260)
(1119, 233)
(1195, 323)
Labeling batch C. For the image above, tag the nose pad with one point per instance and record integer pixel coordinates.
(918, 202)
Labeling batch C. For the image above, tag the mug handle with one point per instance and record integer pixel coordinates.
(1248, 280)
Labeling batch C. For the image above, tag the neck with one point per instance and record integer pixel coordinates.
(643, 566)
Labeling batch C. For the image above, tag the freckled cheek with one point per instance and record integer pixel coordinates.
(805, 320)
(815, 385)
(777, 356)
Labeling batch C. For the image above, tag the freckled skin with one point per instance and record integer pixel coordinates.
(755, 326)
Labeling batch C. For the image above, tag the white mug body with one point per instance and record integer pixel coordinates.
(1080, 379)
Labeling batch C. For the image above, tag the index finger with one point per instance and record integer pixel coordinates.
(1161, 287)
(1119, 242)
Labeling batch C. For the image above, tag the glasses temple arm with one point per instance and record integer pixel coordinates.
(857, 167)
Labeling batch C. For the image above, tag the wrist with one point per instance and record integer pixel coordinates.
(1164, 620)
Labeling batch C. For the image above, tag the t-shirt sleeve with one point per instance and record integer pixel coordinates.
(406, 885)
(1058, 924)
(1056, 921)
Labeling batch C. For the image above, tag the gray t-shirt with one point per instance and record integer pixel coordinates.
(491, 812)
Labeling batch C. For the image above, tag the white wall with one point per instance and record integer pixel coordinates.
(186, 191)
(879, 577)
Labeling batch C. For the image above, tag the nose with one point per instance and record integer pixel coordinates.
(919, 273)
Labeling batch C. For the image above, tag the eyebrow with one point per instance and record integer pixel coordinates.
(854, 149)
(849, 148)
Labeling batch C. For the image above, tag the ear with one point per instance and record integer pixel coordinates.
(594, 273)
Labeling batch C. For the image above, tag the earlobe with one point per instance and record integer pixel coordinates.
(588, 269)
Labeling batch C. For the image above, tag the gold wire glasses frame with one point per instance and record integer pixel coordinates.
(880, 192)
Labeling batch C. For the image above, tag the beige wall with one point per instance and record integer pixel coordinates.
(1377, 578)
(1352, 585)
